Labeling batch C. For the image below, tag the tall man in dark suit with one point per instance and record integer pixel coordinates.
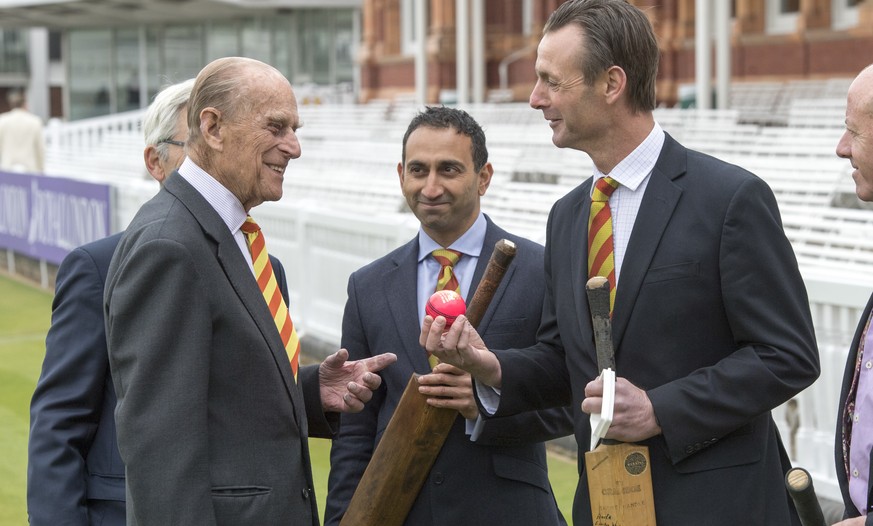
(213, 415)
(496, 473)
(74, 472)
(711, 323)
(854, 435)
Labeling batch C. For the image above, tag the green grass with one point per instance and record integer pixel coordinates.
(26, 315)
(562, 473)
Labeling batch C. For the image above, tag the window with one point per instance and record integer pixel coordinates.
(844, 14)
(789, 6)
(781, 16)
(89, 79)
(409, 38)
(127, 70)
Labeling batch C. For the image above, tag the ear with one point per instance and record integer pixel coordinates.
(485, 178)
(210, 128)
(153, 163)
(400, 172)
(616, 81)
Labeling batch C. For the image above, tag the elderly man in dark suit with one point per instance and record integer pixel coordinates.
(74, 472)
(711, 323)
(496, 473)
(854, 435)
(213, 412)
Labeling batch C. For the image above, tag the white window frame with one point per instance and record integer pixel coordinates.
(842, 15)
(408, 40)
(777, 22)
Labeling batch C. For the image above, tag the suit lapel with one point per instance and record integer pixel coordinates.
(240, 277)
(657, 207)
(578, 250)
(401, 281)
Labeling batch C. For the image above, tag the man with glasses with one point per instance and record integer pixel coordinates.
(75, 475)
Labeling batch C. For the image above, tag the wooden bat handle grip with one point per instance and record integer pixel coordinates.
(597, 289)
(799, 485)
(501, 258)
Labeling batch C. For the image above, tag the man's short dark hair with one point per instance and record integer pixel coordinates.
(441, 117)
(615, 33)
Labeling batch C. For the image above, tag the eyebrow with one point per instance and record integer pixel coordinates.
(284, 121)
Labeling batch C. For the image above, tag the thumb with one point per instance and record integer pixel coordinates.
(337, 359)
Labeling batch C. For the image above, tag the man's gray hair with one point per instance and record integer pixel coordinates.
(159, 121)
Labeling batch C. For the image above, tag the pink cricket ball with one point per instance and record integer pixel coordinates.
(446, 303)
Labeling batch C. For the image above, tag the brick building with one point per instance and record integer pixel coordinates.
(769, 40)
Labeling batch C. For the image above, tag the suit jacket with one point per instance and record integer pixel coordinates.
(22, 148)
(74, 469)
(502, 478)
(211, 425)
(851, 510)
(711, 318)
(73, 461)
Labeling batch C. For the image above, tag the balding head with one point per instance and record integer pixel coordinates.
(862, 87)
(225, 84)
(242, 120)
(856, 144)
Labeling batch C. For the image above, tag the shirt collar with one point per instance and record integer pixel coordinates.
(222, 200)
(633, 169)
(469, 244)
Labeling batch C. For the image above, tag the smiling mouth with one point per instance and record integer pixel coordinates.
(279, 169)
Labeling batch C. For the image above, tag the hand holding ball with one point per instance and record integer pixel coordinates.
(446, 303)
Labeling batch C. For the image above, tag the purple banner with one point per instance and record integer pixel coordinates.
(46, 217)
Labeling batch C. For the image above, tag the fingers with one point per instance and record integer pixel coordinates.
(430, 384)
(467, 408)
(592, 404)
(357, 396)
(425, 331)
(378, 362)
(371, 381)
(594, 387)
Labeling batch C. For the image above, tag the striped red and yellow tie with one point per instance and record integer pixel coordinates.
(447, 260)
(446, 280)
(270, 290)
(601, 252)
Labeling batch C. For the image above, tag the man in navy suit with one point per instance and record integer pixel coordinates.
(854, 434)
(75, 475)
(711, 322)
(495, 472)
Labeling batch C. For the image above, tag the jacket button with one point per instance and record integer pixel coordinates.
(438, 478)
(305, 493)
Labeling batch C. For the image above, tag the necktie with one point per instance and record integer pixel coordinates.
(601, 253)
(270, 289)
(446, 280)
(447, 260)
(849, 409)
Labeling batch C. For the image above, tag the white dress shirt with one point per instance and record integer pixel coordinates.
(633, 174)
(222, 200)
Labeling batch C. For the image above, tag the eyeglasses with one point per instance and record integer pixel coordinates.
(171, 141)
